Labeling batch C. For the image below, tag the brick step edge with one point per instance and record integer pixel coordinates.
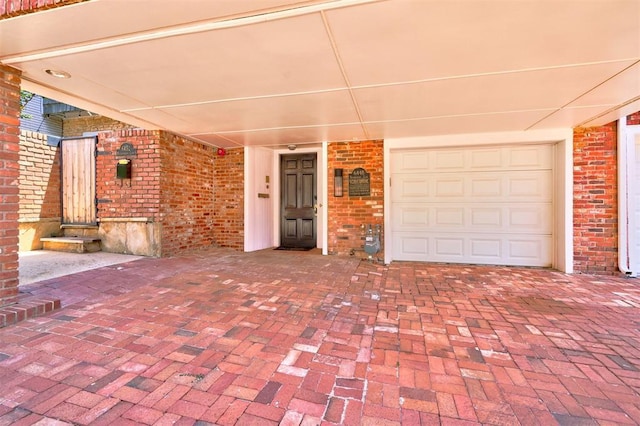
(27, 308)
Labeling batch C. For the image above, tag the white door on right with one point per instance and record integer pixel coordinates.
(634, 191)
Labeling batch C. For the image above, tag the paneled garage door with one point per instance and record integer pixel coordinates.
(473, 205)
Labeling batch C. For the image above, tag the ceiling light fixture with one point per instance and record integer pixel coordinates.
(292, 147)
(58, 73)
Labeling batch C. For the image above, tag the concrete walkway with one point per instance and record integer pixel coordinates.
(295, 338)
(40, 265)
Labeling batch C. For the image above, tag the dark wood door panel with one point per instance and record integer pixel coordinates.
(298, 193)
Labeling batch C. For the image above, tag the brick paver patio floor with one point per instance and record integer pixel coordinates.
(271, 337)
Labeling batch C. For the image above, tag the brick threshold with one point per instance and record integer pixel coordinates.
(26, 308)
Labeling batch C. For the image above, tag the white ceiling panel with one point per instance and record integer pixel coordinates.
(615, 91)
(296, 135)
(482, 123)
(88, 91)
(240, 62)
(416, 40)
(612, 114)
(111, 19)
(542, 89)
(563, 116)
(274, 72)
(316, 109)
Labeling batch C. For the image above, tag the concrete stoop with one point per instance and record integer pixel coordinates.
(71, 244)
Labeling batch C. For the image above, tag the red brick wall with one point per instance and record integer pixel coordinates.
(135, 198)
(347, 214)
(187, 194)
(9, 8)
(9, 176)
(229, 199)
(595, 208)
(39, 177)
(633, 119)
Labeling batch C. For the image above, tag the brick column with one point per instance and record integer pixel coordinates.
(595, 200)
(9, 175)
(346, 213)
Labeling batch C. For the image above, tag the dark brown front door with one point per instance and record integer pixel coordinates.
(298, 218)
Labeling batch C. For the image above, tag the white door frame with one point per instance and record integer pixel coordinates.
(563, 179)
(628, 258)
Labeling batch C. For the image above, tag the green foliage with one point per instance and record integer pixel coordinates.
(25, 97)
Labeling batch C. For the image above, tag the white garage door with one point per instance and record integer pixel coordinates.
(473, 205)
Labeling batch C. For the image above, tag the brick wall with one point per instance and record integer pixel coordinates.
(123, 198)
(595, 208)
(76, 126)
(10, 8)
(228, 212)
(39, 177)
(633, 119)
(347, 214)
(39, 212)
(187, 194)
(9, 176)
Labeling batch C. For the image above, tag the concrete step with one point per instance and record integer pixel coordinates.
(71, 244)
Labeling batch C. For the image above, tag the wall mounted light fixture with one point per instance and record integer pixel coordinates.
(337, 183)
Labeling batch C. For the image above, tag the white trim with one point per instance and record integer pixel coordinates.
(563, 172)
(628, 258)
(246, 192)
(321, 192)
(325, 198)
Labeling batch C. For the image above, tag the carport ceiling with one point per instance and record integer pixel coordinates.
(273, 72)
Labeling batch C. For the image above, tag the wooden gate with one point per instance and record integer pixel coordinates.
(79, 181)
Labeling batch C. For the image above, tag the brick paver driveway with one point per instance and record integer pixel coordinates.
(220, 337)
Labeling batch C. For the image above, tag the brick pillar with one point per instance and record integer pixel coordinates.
(595, 200)
(346, 213)
(9, 175)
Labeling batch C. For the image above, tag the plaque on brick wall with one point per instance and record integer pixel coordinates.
(359, 183)
(126, 150)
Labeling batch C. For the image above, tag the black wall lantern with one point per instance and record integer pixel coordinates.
(337, 183)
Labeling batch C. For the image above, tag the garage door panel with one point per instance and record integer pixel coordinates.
(449, 216)
(448, 187)
(409, 187)
(487, 249)
(413, 247)
(446, 161)
(530, 218)
(485, 159)
(491, 205)
(529, 157)
(531, 251)
(449, 247)
(468, 159)
(411, 160)
(412, 217)
(532, 186)
(487, 217)
(483, 187)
